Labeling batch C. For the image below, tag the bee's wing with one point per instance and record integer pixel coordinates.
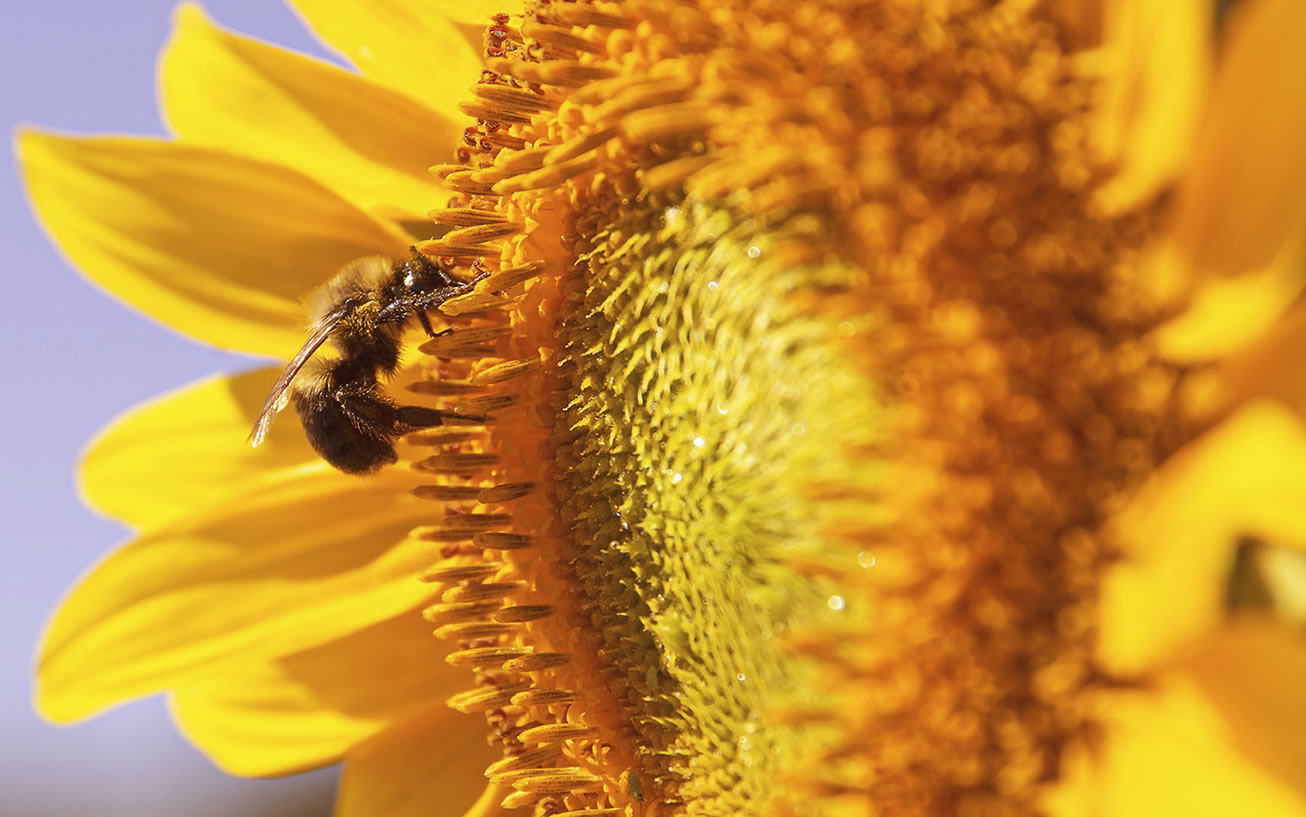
(277, 398)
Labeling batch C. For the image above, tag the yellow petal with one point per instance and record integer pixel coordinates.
(1155, 78)
(1170, 753)
(313, 706)
(1254, 671)
(1228, 314)
(366, 142)
(179, 452)
(432, 764)
(284, 565)
(489, 804)
(186, 450)
(1274, 365)
(1247, 477)
(476, 12)
(409, 46)
(1246, 192)
(220, 247)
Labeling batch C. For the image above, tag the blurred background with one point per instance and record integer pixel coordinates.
(73, 360)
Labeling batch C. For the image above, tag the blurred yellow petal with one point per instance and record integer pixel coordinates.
(433, 764)
(1245, 478)
(1155, 80)
(1254, 672)
(1246, 191)
(181, 451)
(489, 804)
(309, 557)
(409, 46)
(1168, 753)
(220, 247)
(476, 12)
(369, 144)
(311, 707)
(1274, 366)
(1229, 314)
(1082, 20)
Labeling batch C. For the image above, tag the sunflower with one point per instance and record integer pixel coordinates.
(890, 407)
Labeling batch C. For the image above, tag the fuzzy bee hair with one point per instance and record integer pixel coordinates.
(361, 311)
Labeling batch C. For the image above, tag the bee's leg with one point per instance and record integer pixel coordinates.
(431, 299)
(425, 321)
(373, 412)
(426, 324)
(414, 418)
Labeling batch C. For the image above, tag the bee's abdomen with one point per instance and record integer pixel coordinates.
(347, 421)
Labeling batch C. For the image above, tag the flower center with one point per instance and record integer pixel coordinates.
(700, 406)
(806, 430)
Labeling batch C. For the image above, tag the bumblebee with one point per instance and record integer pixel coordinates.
(363, 310)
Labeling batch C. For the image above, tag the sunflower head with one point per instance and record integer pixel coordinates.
(820, 372)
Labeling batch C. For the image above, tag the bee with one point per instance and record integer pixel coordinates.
(363, 310)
